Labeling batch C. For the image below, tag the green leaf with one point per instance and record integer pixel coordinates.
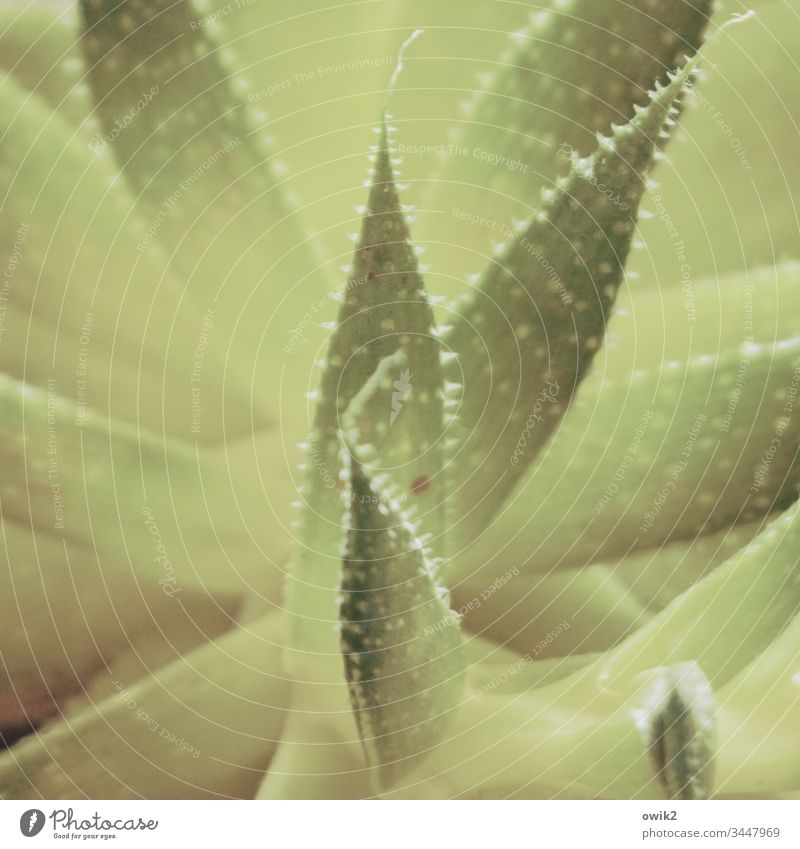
(726, 619)
(667, 455)
(684, 319)
(739, 149)
(202, 163)
(528, 333)
(499, 670)
(402, 646)
(67, 615)
(756, 719)
(384, 309)
(204, 726)
(38, 48)
(60, 615)
(539, 744)
(574, 70)
(395, 429)
(656, 576)
(676, 720)
(573, 737)
(137, 501)
(558, 613)
(168, 104)
(88, 300)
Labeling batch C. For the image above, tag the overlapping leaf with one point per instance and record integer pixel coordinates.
(685, 450)
(384, 309)
(578, 734)
(137, 501)
(202, 163)
(81, 287)
(168, 733)
(401, 643)
(527, 335)
(575, 69)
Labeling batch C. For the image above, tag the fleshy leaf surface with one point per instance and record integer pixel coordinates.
(168, 103)
(574, 70)
(202, 162)
(574, 737)
(528, 333)
(38, 48)
(687, 449)
(725, 620)
(755, 719)
(84, 291)
(222, 707)
(138, 501)
(402, 646)
(384, 309)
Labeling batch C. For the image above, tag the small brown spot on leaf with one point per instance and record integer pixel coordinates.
(420, 484)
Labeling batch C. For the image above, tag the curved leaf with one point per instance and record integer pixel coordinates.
(38, 47)
(204, 726)
(78, 283)
(527, 335)
(574, 70)
(139, 502)
(669, 455)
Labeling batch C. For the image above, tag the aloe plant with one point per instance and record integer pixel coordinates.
(542, 540)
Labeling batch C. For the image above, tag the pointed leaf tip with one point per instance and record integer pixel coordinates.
(542, 307)
(676, 720)
(599, 63)
(384, 310)
(398, 68)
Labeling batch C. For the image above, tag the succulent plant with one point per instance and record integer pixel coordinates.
(544, 539)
